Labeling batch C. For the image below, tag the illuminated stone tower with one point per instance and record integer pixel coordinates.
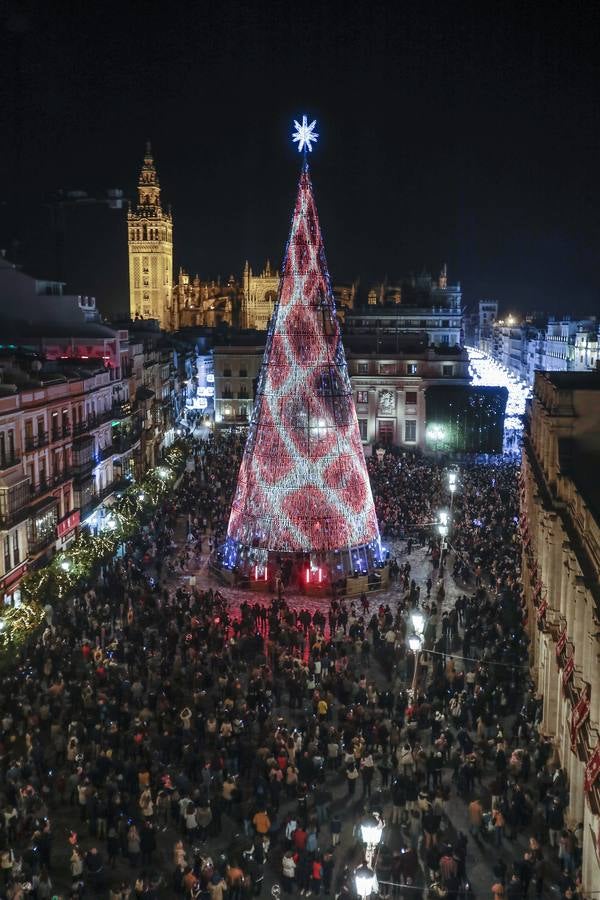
(303, 493)
(150, 234)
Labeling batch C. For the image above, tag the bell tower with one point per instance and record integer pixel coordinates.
(150, 241)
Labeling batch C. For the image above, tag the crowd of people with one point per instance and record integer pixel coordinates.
(161, 738)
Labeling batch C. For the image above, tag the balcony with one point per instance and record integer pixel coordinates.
(82, 470)
(7, 462)
(47, 484)
(105, 453)
(125, 442)
(13, 517)
(92, 422)
(98, 496)
(37, 545)
(58, 434)
(34, 441)
(121, 410)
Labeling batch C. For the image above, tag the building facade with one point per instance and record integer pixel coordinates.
(552, 345)
(424, 307)
(55, 460)
(389, 384)
(150, 243)
(259, 295)
(236, 368)
(560, 523)
(207, 304)
(390, 388)
(76, 427)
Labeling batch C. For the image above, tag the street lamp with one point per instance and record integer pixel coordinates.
(371, 829)
(418, 620)
(414, 642)
(452, 484)
(443, 523)
(365, 880)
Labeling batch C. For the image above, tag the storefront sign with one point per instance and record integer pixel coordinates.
(13, 576)
(561, 643)
(592, 770)
(581, 711)
(68, 524)
(568, 670)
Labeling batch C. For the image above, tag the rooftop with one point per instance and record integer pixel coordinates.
(573, 381)
(401, 309)
(18, 332)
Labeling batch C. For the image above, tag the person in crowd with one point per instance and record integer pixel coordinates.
(156, 717)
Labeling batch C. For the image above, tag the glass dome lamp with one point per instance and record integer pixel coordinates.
(371, 828)
(414, 642)
(365, 880)
(418, 620)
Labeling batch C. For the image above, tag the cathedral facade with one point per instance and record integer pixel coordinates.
(205, 303)
(259, 295)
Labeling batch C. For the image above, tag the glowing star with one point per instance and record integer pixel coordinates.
(304, 134)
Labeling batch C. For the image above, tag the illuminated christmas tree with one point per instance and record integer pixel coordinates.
(303, 491)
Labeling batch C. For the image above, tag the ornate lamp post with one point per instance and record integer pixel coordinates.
(418, 621)
(371, 829)
(365, 880)
(452, 485)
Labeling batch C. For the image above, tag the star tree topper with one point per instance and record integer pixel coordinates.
(305, 135)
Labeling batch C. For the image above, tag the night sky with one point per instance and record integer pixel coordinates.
(448, 134)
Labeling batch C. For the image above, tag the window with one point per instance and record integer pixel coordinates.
(243, 373)
(387, 368)
(363, 368)
(411, 368)
(411, 398)
(16, 554)
(7, 565)
(410, 430)
(445, 339)
(227, 372)
(445, 323)
(363, 428)
(447, 370)
(2, 449)
(386, 432)
(362, 396)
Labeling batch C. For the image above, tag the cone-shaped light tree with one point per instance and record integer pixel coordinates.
(303, 486)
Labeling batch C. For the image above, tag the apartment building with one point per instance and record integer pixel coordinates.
(55, 459)
(560, 523)
(552, 345)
